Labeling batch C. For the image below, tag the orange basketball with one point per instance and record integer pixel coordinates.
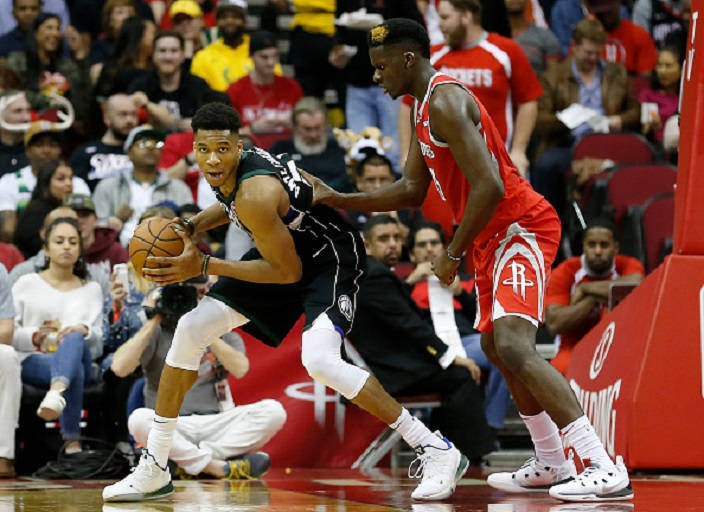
(154, 237)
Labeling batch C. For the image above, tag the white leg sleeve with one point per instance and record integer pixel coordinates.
(197, 329)
(321, 356)
(10, 394)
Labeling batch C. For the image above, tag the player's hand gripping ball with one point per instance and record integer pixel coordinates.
(155, 237)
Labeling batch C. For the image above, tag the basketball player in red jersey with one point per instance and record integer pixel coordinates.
(515, 235)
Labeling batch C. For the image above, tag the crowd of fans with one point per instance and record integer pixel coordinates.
(95, 109)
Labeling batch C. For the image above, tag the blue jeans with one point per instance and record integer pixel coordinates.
(70, 364)
(497, 397)
(369, 106)
(547, 175)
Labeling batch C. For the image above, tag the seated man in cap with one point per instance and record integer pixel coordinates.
(263, 99)
(101, 245)
(187, 19)
(226, 60)
(121, 199)
(42, 142)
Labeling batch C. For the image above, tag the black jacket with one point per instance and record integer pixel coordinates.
(390, 333)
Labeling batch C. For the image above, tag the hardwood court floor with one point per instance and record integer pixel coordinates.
(341, 490)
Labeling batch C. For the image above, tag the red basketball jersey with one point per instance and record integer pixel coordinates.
(451, 183)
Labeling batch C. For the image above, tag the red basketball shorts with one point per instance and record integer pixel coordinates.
(512, 268)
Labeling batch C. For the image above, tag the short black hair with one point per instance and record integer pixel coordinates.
(162, 34)
(377, 220)
(375, 159)
(424, 224)
(401, 31)
(216, 116)
(602, 223)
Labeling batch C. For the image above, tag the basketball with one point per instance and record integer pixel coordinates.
(155, 237)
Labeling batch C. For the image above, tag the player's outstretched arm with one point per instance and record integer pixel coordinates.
(454, 115)
(408, 192)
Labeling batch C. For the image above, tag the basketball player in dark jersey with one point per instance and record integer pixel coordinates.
(308, 261)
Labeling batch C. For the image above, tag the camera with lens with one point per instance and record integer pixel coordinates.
(175, 300)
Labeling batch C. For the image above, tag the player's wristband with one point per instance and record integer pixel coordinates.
(206, 260)
(453, 258)
(191, 226)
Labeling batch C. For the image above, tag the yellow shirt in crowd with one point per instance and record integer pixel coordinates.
(221, 65)
(315, 16)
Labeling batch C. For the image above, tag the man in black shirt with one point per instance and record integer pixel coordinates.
(170, 85)
(106, 156)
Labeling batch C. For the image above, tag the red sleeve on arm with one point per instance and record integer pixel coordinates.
(627, 266)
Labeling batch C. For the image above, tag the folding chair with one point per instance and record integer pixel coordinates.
(628, 189)
(658, 219)
(388, 440)
(621, 148)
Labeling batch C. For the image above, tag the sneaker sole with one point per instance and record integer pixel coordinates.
(516, 489)
(459, 473)
(624, 494)
(164, 492)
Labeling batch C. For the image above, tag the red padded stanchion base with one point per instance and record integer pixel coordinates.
(638, 374)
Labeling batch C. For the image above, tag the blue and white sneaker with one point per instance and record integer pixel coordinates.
(439, 469)
(148, 481)
(597, 483)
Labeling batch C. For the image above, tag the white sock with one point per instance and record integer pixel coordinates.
(581, 436)
(546, 439)
(414, 432)
(160, 439)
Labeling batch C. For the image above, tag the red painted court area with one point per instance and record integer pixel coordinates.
(343, 490)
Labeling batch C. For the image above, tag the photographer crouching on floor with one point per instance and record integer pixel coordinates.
(213, 436)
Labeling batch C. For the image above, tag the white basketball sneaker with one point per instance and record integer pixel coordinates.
(597, 483)
(148, 481)
(534, 476)
(440, 470)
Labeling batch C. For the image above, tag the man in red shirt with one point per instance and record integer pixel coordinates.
(263, 99)
(578, 290)
(495, 69)
(628, 43)
(515, 235)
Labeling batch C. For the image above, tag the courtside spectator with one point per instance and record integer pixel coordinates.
(586, 80)
(169, 84)
(226, 60)
(115, 12)
(121, 200)
(312, 146)
(540, 45)
(627, 43)
(15, 113)
(24, 12)
(44, 70)
(105, 157)
(578, 289)
(263, 99)
(661, 18)
(10, 380)
(42, 142)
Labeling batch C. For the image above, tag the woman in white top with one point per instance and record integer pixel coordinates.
(58, 328)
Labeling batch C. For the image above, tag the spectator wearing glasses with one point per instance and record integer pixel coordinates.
(121, 199)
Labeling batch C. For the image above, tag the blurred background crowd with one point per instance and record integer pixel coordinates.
(96, 98)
